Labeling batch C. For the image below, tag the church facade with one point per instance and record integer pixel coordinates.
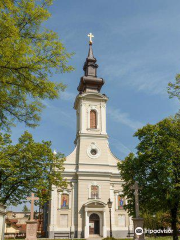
(91, 170)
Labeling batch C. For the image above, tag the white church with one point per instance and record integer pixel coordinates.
(91, 171)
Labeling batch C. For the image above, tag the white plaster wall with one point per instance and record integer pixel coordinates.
(86, 102)
(1, 225)
(82, 170)
(2, 219)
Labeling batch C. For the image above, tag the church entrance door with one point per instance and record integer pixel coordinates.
(94, 223)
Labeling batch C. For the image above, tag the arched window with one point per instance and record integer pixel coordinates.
(93, 119)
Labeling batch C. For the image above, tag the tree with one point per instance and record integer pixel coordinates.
(156, 166)
(25, 209)
(29, 55)
(26, 167)
(159, 220)
(174, 88)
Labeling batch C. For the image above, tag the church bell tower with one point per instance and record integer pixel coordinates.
(91, 170)
(90, 104)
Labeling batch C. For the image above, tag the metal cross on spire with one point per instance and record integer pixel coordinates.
(32, 198)
(136, 189)
(90, 35)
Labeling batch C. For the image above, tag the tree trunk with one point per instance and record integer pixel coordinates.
(174, 222)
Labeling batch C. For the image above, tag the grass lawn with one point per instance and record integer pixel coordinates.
(148, 238)
(151, 238)
(161, 238)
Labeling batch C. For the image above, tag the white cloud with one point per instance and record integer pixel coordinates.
(140, 74)
(124, 150)
(58, 116)
(67, 96)
(124, 118)
(149, 57)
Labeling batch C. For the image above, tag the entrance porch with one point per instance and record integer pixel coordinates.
(95, 219)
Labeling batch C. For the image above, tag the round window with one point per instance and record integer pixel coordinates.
(93, 152)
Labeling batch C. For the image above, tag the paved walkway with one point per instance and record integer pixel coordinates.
(94, 237)
(99, 238)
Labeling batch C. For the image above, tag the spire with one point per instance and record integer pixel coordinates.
(90, 66)
(90, 82)
(90, 53)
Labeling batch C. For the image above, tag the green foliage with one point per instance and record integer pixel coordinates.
(26, 167)
(160, 238)
(174, 88)
(29, 55)
(25, 209)
(109, 238)
(156, 166)
(160, 220)
(150, 238)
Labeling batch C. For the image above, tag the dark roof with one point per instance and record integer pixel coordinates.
(90, 82)
(20, 227)
(14, 220)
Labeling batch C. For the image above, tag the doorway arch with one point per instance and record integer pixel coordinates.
(94, 224)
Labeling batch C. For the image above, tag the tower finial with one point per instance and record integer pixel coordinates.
(90, 35)
(90, 82)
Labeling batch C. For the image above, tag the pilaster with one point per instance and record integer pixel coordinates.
(104, 225)
(86, 228)
(72, 208)
(53, 212)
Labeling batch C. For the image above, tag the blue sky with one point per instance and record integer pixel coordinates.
(137, 46)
